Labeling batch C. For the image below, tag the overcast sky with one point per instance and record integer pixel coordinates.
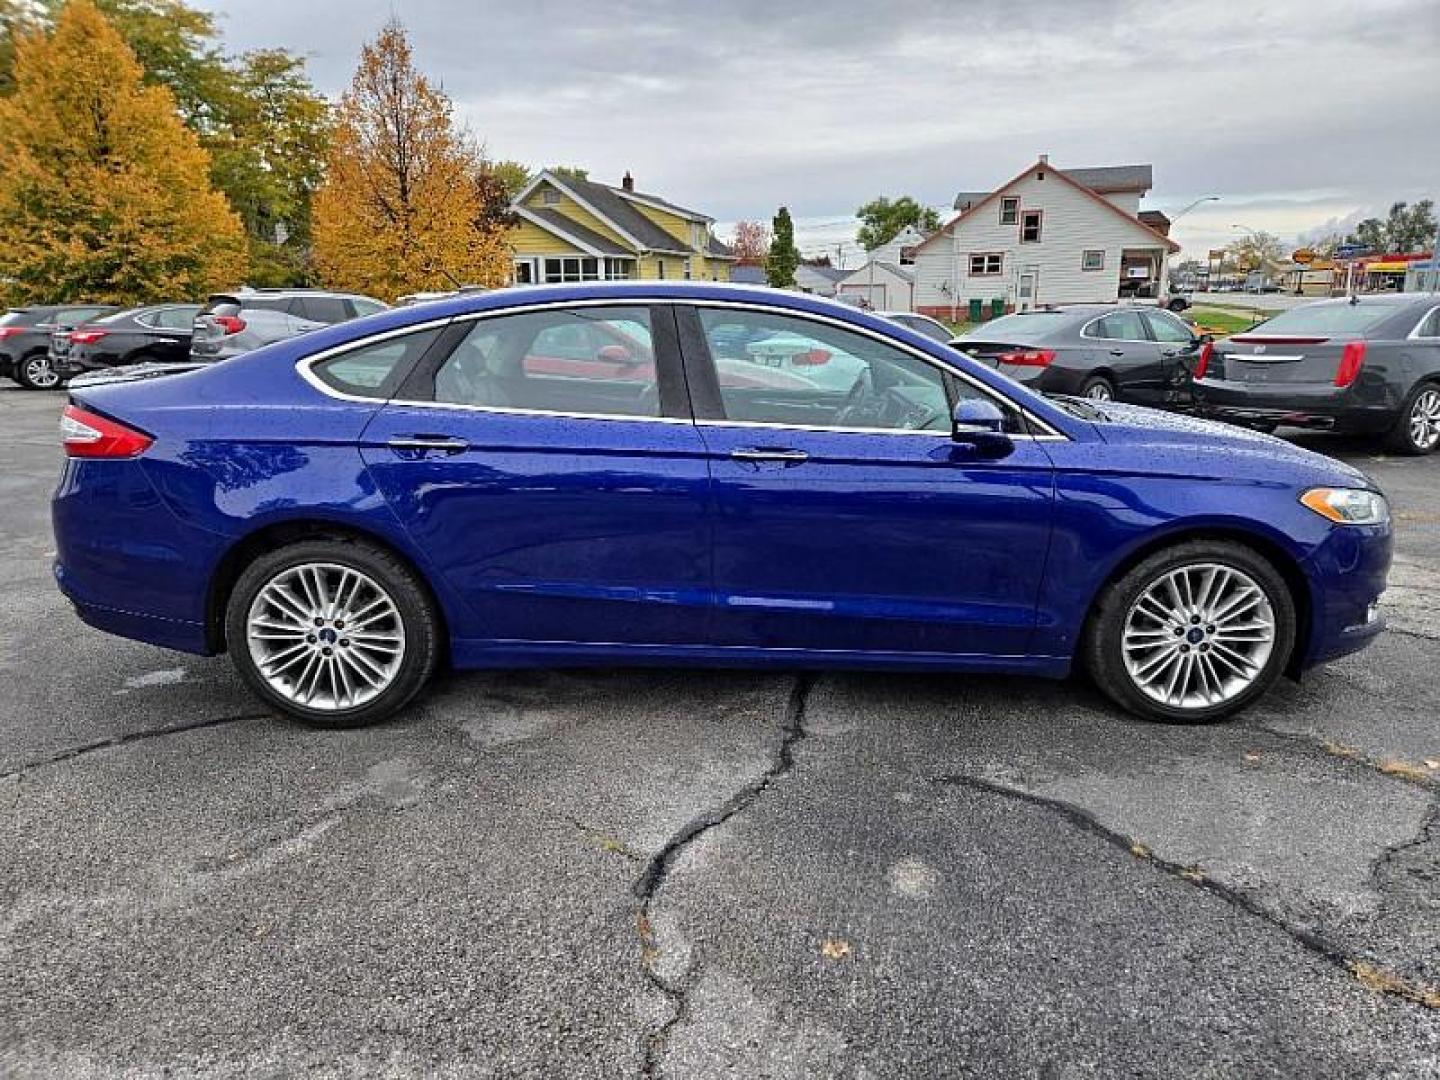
(1298, 113)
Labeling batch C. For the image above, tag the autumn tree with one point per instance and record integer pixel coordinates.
(104, 194)
(882, 219)
(748, 242)
(398, 209)
(783, 256)
(1405, 229)
(1256, 251)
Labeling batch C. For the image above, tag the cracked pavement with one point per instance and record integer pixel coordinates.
(692, 873)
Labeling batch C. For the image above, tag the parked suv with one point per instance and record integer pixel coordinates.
(25, 340)
(233, 323)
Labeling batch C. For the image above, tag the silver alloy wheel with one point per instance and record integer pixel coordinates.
(325, 636)
(1198, 636)
(1425, 419)
(1100, 391)
(41, 375)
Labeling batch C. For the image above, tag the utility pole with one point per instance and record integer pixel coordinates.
(1435, 263)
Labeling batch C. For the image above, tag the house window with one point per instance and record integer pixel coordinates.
(571, 268)
(618, 270)
(699, 236)
(1092, 260)
(550, 197)
(524, 272)
(986, 264)
(907, 256)
(1009, 210)
(660, 269)
(1030, 226)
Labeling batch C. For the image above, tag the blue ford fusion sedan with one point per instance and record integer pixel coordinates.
(601, 474)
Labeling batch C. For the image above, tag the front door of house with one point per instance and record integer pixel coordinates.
(1026, 293)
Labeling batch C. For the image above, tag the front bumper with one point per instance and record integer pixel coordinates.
(1347, 574)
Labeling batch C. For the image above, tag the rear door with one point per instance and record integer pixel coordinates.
(1123, 346)
(563, 497)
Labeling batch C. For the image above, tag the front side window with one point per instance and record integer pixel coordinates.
(986, 264)
(780, 369)
(1168, 329)
(323, 309)
(376, 370)
(1121, 326)
(1030, 226)
(595, 361)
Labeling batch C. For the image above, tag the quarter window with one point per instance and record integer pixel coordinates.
(986, 264)
(375, 371)
(1009, 210)
(1093, 260)
(1030, 226)
(1430, 325)
(778, 369)
(591, 361)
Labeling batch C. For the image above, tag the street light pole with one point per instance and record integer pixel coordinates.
(1203, 199)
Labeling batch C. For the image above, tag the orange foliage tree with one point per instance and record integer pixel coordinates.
(399, 210)
(104, 194)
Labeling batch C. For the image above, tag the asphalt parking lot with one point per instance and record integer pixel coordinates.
(698, 874)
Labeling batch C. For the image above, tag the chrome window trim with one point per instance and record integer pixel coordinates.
(1415, 334)
(304, 365)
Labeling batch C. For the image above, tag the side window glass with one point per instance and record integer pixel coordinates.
(593, 361)
(1431, 326)
(1124, 326)
(779, 369)
(176, 319)
(365, 307)
(374, 371)
(1169, 329)
(326, 309)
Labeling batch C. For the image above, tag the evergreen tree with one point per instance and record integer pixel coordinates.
(783, 257)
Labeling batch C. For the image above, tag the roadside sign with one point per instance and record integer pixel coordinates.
(1303, 255)
(1352, 251)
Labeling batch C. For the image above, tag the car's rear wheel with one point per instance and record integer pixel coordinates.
(1193, 633)
(335, 633)
(1098, 388)
(35, 373)
(1417, 431)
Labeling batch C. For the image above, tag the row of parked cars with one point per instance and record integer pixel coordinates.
(45, 346)
(1367, 365)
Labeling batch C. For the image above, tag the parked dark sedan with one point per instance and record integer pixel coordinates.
(1106, 352)
(158, 334)
(1370, 365)
(25, 340)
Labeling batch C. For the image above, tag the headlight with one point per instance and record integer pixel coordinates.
(1348, 506)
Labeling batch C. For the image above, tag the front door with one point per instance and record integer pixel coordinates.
(550, 472)
(1026, 292)
(1121, 346)
(846, 519)
(1179, 348)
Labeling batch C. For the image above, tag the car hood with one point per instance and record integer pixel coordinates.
(1188, 445)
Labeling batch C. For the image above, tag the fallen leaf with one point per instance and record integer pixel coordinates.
(834, 949)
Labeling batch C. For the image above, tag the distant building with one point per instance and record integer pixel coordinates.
(1046, 236)
(580, 230)
(819, 280)
(879, 286)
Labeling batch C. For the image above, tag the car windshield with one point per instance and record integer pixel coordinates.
(1030, 323)
(10, 318)
(1326, 319)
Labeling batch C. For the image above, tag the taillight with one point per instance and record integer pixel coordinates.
(1030, 358)
(1202, 362)
(231, 324)
(10, 331)
(86, 337)
(810, 358)
(87, 435)
(1352, 358)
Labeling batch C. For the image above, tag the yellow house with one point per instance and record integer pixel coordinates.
(579, 230)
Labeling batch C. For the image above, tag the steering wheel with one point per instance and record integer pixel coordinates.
(857, 401)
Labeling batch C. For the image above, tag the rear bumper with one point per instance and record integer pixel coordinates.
(1309, 406)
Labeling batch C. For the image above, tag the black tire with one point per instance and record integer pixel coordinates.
(1098, 388)
(25, 376)
(1101, 651)
(1401, 437)
(411, 600)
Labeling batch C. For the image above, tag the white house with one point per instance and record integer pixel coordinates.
(879, 286)
(900, 248)
(819, 280)
(1048, 236)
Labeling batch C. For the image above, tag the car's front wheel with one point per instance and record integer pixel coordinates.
(335, 633)
(34, 372)
(1193, 633)
(1417, 431)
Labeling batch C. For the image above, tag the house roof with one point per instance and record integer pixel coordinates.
(903, 273)
(619, 212)
(830, 273)
(1105, 180)
(567, 229)
(720, 251)
(948, 229)
(968, 198)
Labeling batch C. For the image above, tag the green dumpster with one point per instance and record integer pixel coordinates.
(997, 307)
(977, 310)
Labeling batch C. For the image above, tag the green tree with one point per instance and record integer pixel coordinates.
(574, 172)
(512, 175)
(104, 194)
(495, 190)
(1405, 229)
(1256, 251)
(882, 219)
(783, 257)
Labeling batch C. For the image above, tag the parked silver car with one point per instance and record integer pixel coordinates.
(237, 322)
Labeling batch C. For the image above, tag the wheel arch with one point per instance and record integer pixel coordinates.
(281, 534)
(1285, 563)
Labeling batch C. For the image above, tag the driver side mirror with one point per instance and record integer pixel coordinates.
(981, 423)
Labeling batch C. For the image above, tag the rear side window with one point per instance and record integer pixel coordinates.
(75, 316)
(1430, 326)
(175, 318)
(326, 309)
(1022, 327)
(1342, 318)
(375, 370)
(366, 307)
(16, 318)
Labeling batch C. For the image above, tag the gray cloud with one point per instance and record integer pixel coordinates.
(737, 106)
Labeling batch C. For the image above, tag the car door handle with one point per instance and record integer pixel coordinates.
(760, 453)
(444, 444)
(1117, 352)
